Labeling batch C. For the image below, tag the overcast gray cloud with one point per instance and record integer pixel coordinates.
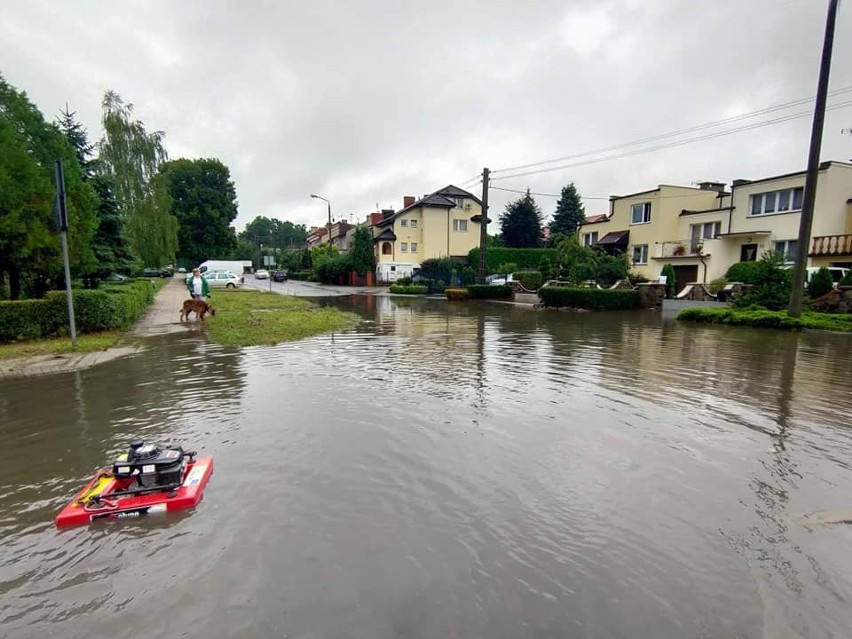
(367, 101)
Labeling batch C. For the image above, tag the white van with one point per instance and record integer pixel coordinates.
(235, 266)
(392, 271)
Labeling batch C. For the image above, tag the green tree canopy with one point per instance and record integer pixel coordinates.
(29, 243)
(204, 202)
(275, 233)
(131, 157)
(363, 255)
(569, 212)
(109, 245)
(520, 223)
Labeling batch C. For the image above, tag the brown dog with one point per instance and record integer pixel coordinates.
(200, 307)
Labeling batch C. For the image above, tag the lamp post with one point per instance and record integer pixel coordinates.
(319, 197)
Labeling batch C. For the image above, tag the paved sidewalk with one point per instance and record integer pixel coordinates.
(163, 316)
(160, 318)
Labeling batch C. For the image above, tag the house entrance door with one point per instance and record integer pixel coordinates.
(748, 253)
(684, 275)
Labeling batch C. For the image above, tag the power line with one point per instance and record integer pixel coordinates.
(597, 197)
(749, 127)
(661, 136)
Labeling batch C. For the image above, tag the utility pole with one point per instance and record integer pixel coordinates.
(61, 213)
(483, 227)
(809, 196)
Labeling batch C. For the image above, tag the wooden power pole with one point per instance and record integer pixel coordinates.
(483, 228)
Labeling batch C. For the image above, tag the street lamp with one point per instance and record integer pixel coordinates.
(318, 197)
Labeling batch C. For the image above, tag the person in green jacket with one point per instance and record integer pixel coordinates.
(197, 285)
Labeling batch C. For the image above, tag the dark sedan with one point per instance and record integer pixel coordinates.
(279, 276)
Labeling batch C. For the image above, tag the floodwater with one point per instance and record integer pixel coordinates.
(448, 470)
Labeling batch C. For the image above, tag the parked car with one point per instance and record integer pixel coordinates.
(495, 280)
(181, 270)
(279, 276)
(223, 279)
(116, 278)
(261, 274)
(156, 272)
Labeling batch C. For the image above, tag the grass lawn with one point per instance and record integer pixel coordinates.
(60, 345)
(768, 319)
(249, 318)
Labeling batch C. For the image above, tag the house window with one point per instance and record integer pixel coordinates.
(788, 248)
(414, 224)
(640, 213)
(386, 248)
(782, 201)
(414, 247)
(460, 226)
(403, 222)
(459, 202)
(700, 232)
(403, 247)
(640, 253)
(590, 238)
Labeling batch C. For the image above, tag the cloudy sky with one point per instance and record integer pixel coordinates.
(365, 101)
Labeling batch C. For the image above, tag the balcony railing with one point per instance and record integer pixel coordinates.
(681, 248)
(831, 245)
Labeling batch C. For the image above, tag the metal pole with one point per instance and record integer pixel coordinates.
(809, 196)
(329, 221)
(483, 227)
(62, 223)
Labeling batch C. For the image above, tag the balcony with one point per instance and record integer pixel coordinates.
(681, 248)
(831, 245)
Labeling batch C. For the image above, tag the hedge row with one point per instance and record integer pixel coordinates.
(409, 289)
(524, 258)
(299, 275)
(485, 292)
(456, 293)
(589, 298)
(529, 280)
(767, 319)
(107, 308)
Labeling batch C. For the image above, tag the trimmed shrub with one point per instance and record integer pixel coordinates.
(301, 276)
(847, 280)
(820, 283)
(589, 298)
(717, 285)
(485, 292)
(545, 268)
(108, 308)
(744, 272)
(30, 319)
(456, 293)
(772, 284)
(767, 319)
(524, 258)
(671, 285)
(529, 280)
(409, 289)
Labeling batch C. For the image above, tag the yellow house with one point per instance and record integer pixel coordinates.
(648, 227)
(765, 216)
(442, 224)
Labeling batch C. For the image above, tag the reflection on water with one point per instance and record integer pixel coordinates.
(447, 470)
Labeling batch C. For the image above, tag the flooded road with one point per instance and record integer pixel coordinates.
(447, 470)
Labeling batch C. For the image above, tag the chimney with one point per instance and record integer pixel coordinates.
(407, 201)
(719, 187)
(374, 218)
(386, 213)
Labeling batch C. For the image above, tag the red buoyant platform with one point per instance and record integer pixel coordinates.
(95, 502)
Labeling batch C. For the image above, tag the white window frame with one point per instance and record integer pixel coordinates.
(786, 252)
(403, 247)
(413, 224)
(403, 223)
(459, 202)
(643, 253)
(414, 247)
(590, 239)
(645, 213)
(776, 199)
(459, 226)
